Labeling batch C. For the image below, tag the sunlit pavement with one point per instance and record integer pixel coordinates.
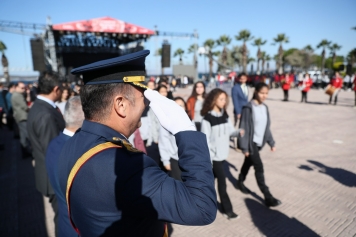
(313, 172)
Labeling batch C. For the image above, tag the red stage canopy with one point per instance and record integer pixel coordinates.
(105, 25)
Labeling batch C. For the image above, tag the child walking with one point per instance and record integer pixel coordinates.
(168, 148)
(218, 129)
(255, 121)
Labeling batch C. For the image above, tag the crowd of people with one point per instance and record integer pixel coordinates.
(47, 113)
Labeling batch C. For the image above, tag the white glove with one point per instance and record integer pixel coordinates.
(170, 115)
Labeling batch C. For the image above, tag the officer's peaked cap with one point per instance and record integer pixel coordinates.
(129, 68)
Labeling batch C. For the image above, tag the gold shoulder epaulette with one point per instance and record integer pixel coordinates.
(125, 144)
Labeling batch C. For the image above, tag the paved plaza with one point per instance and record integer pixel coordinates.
(313, 173)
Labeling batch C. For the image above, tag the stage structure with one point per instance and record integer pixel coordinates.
(60, 47)
(74, 44)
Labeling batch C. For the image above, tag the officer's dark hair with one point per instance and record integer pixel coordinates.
(47, 82)
(97, 99)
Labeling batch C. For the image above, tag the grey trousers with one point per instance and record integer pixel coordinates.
(23, 134)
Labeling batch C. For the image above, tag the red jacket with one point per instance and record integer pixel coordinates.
(354, 83)
(286, 83)
(191, 106)
(307, 83)
(336, 82)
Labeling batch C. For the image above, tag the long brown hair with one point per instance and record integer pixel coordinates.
(194, 92)
(210, 101)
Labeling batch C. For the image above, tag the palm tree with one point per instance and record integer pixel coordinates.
(4, 62)
(251, 60)
(323, 44)
(308, 53)
(179, 52)
(281, 38)
(209, 45)
(192, 48)
(245, 36)
(259, 42)
(224, 41)
(333, 48)
(351, 57)
(267, 58)
(235, 56)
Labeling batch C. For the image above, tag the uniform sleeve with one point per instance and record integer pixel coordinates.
(164, 139)
(191, 202)
(206, 129)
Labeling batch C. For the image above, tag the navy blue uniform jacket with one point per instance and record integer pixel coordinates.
(123, 193)
(238, 98)
(65, 229)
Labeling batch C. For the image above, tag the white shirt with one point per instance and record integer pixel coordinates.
(68, 133)
(244, 89)
(47, 100)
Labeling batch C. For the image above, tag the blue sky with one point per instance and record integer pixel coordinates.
(303, 21)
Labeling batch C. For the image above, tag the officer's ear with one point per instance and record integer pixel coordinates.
(120, 105)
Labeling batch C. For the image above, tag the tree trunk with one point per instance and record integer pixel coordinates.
(244, 58)
(333, 60)
(322, 60)
(263, 66)
(258, 59)
(280, 59)
(210, 66)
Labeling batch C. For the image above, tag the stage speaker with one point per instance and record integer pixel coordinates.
(166, 55)
(38, 59)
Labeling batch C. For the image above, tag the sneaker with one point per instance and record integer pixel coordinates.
(243, 188)
(231, 215)
(272, 202)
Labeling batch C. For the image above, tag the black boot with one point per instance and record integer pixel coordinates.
(272, 202)
(242, 187)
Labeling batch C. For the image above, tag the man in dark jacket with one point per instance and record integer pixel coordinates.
(239, 94)
(20, 111)
(44, 123)
(73, 116)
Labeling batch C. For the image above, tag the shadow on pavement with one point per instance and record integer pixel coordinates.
(21, 205)
(275, 223)
(343, 176)
(305, 167)
(228, 174)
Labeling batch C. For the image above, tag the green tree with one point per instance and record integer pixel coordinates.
(192, 49)
(235, 56)
(179, 52)
(4, 62)
(258, 43)
(250, 61)
(324, 44)
(308, 53)
(266, 59)
(280, 39)
(209, 45)
(351, 57)
(244, 36)
(224, 41)
(333, 48)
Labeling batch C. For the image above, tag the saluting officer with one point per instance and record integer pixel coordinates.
(113, 189)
